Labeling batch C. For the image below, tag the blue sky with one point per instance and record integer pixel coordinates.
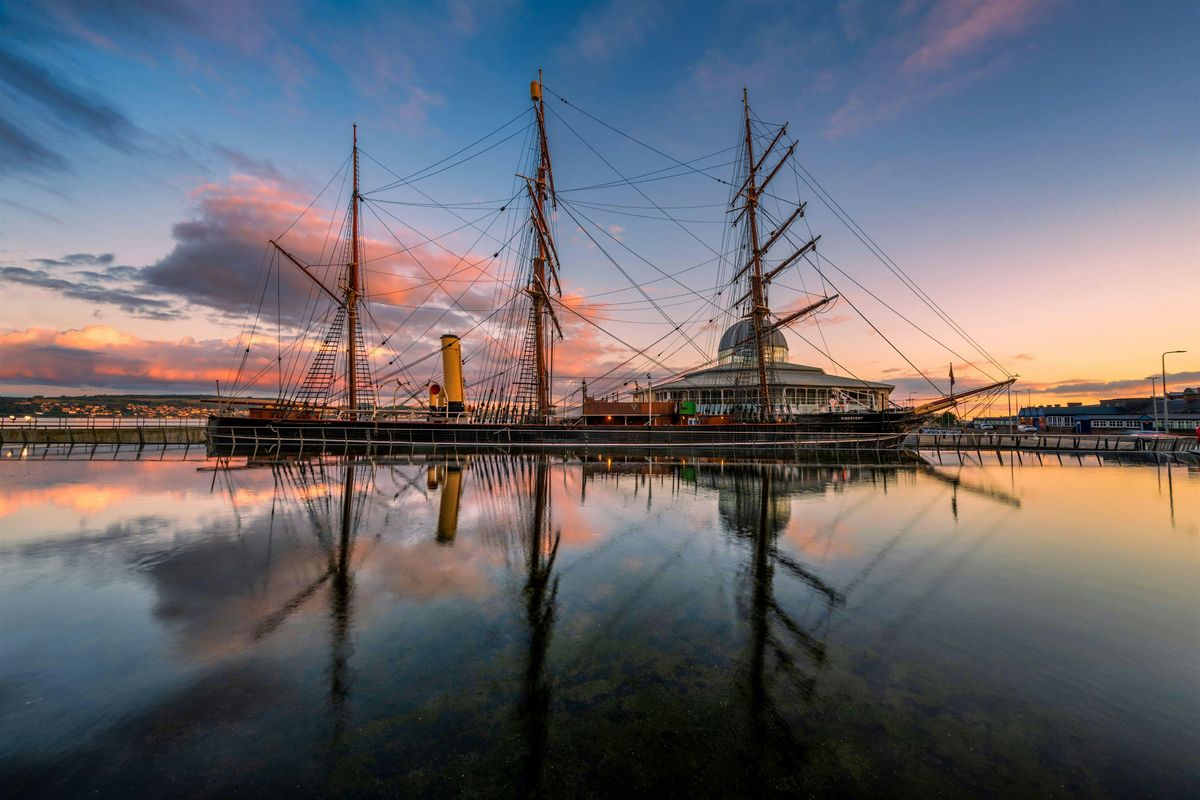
(1035, 166)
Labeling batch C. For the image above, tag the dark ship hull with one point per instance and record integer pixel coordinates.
(228, 435)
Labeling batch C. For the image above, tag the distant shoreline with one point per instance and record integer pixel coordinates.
(108, 405)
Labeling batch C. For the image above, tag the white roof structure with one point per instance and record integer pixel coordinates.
(736, 367)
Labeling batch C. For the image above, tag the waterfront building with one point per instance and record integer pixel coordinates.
(730, 387)
(1118, 415)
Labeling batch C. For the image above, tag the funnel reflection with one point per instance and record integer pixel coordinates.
(447, 525)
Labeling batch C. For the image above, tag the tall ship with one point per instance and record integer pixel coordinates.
(493, 384)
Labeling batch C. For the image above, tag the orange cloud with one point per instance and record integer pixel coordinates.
(586, 350)
(102, 357)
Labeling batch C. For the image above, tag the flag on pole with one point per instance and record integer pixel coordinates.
(951, 377)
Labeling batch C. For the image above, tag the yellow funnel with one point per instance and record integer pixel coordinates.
(452, 375)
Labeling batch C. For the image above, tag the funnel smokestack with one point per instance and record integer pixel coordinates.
(452, 375)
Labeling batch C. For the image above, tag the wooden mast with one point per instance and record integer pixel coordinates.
(538, 289)
(759, 309)
(352, 294)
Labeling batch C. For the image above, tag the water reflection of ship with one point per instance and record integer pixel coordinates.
(786, 646)
(341, 596)
(541, 602)
(791, 478)
(448, 475)
(333, 498)
(787, 641)
(786, 604)
(524, 482)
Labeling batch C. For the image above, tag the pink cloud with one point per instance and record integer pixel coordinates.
(588, 351)
(417, 285)
(958, 44)
(220, 245)
(960, 28)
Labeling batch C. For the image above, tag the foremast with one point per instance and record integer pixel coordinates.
(313, 394)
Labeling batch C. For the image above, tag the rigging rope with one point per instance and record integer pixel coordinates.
(413, 176)
(634, 139)
(845, 218)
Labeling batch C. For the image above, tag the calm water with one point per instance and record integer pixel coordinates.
(503, 626)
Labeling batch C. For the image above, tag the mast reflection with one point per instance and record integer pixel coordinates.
(333, 500)
(786, 648)
(341, 598)
(515, 497)
(540, 593)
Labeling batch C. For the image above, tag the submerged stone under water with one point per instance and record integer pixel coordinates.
(495, 625)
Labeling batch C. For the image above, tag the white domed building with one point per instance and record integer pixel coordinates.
(731, 387)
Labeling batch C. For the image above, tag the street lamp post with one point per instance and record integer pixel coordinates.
(1154, 398)
(396, 393)
(649, 400)
(1166, 413)
(1012, 426)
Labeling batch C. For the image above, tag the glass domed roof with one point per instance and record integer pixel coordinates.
(738, 342)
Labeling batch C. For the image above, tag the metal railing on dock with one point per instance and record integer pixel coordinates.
(1054, 442)
(89, 431)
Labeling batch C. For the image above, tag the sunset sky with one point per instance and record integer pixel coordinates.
(1033, 166)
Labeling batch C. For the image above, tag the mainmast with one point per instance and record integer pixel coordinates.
(352, 294)
(758, 297)
(541, 190)
(539, 262)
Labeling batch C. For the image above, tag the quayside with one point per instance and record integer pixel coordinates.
(493, 384)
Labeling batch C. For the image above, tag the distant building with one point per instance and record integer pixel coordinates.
(1118, 415)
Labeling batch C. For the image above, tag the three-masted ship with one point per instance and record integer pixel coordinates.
(750, 397)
